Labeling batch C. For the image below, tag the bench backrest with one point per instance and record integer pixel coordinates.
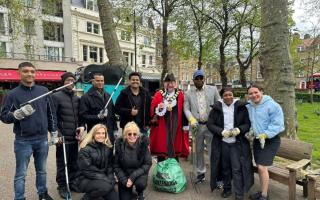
(294, 149)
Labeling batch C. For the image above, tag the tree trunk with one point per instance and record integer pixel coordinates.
(222, 71)
(110, 38)
(165, 47)
(243, 78)
(275, 60)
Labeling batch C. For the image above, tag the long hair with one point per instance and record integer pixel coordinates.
(128, 126)
(89, 138)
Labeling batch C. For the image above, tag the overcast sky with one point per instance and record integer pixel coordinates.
(303, 23)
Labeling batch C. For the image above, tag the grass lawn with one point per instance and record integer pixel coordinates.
(309, 127)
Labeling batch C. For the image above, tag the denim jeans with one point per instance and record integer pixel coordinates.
(23, 150)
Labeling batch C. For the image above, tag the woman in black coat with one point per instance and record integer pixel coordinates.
(132, 162)
(96, 165)
(230, 150)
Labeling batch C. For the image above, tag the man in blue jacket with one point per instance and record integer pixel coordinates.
(31, 125)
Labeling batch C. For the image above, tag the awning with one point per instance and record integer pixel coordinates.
(150, 77)
(12, 75)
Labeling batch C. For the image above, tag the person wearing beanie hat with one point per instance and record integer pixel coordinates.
(167, 137)
(197, 104)
(67, 75)
(67, 110)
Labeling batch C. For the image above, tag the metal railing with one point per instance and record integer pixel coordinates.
(10, 55)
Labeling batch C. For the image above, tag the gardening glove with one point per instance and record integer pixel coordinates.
(55, 138)
(193, 122)
(23, 112)
(235, 132)
(103, 114)
(262, 138)
(80, 133)
(226, 133)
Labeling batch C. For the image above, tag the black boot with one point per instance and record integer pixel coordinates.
(45, 196)
(85, 197)
(255, 196)
(63, 192)
(140, 196)
(226, 193)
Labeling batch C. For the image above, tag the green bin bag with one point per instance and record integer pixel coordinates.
(168, 176)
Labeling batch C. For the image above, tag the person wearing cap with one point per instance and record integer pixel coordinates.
(133, 104)
(67, 110)
(167, 138)
(197, 104)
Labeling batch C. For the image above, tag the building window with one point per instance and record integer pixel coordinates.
(29, 27)
(143, 60)
(2, 50)
(92, 28)
(85, 52)
(93, 54)
(158, 52)
(53, 53)
(126, 56)
(147, 41)
(101, 55)
(125, 35)
(150, 60)
(53, 31)
(91, 5)
(2, 28)
(28, 3)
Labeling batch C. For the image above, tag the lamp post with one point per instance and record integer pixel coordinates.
(135, 40)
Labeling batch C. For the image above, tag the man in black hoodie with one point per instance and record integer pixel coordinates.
(67, 108)
(133, 104)
(31, 125)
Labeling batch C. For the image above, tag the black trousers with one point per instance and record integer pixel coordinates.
(140, 183)
(99, 188)
(231, 168)
(72, 156)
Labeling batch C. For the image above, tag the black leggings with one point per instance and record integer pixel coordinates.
(99, 188)
(140, 183)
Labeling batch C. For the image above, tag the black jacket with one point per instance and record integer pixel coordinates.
(91, 104)
(125, 103)
(95, 162)
(40, 122)
(124, 168)
(67, 108)
(216, 125)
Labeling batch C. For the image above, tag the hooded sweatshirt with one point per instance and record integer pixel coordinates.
(266, 117)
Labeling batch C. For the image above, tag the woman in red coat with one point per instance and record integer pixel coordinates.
(167, 138)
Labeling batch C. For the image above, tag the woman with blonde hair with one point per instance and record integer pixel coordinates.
(96, 165)
(132, 161)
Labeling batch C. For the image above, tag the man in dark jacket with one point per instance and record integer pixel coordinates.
(67, 109)
(31, 125)
(133, 104)
(92, 105)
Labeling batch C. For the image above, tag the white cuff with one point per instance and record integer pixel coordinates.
(162, 112)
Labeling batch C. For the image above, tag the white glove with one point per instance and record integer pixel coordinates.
(103, 114)
(116, 134)
(80, 133)
(54, 138)
(226, 133)
(23, 112)
(235, 132)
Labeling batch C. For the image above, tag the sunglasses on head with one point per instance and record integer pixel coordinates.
(132, 134)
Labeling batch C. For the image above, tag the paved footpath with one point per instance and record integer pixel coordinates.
(7, 168)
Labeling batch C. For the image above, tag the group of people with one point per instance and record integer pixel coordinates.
(108, 158)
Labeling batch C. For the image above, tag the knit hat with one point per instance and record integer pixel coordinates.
(67, 75)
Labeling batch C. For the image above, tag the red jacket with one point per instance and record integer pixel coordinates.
(158, 135)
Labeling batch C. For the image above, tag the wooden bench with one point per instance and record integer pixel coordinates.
(313, 186)
(298, 155)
